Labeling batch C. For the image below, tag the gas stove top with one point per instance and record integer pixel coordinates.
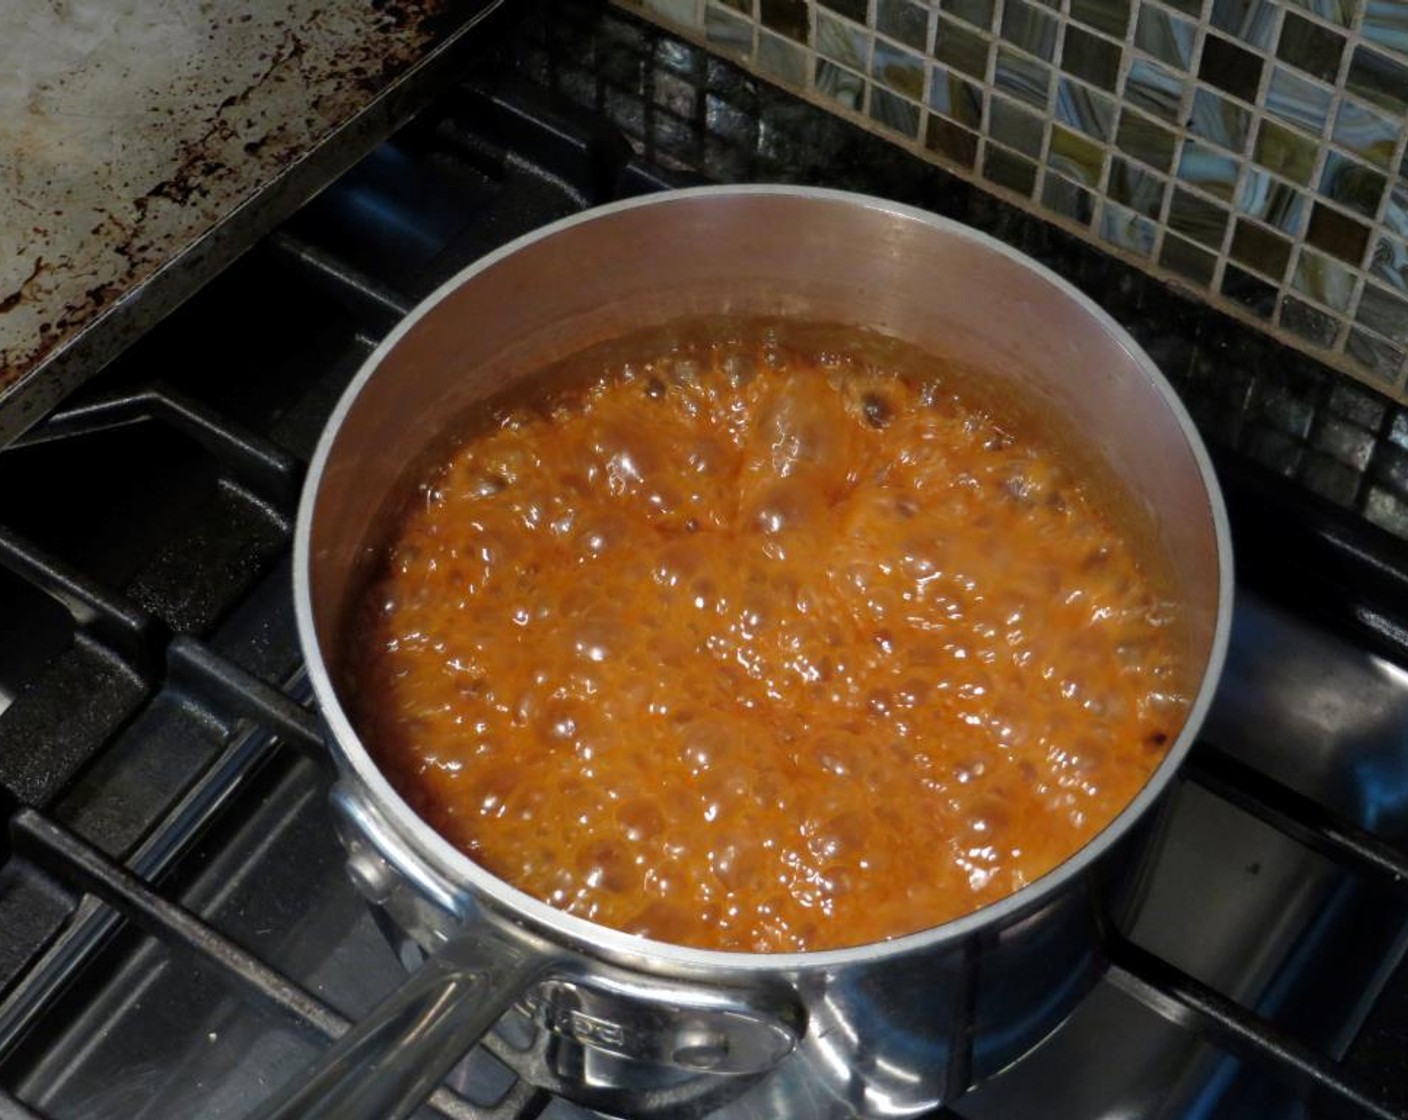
(177, 936)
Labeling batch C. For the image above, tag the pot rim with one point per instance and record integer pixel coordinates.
(463, 873)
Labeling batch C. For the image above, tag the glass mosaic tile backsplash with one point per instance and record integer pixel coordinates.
(1251, 150)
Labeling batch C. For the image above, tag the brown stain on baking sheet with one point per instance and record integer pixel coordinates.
(136, 132)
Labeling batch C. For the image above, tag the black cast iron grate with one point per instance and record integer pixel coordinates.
(160, 698)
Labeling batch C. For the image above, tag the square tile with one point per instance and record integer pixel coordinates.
(1109, 16)
(1389, 262)
(781, 59)
(977, 12)
(1068, 200)
(727, 30)
(1252, 292)
(791, 18)
(894, 112)
(1260, 249)
(1133, 186)
(1127, 229)
(1315, 326)
(1167, 37)
(1146, 140)
(955, 97)
(1323, 279)
(1014, 126)
(1297, 99)
(1084, 109)
(962, 48)
(1271, 200)
(1186, 259)
(1212, 170)
(685, 13)
(1396, 212)
(1353, 185)
(1030, 27)
(1009, 170)
(904, 21)
(1384, 313)
(1382, 359)
(851, 9)
(841, 41)
(845, 87)
(1220, 120)
(1091, 58)
(898, 70)
(1075, 156)
(1386, 24)
(1187, 7)
(1378, 78)
(1308, 46)
(1337, 234)
(1285, 151)
(1336, 11)
(1350, 443)
(1231, 68)
(1198, 218)
(1022, 76)
(1360, 407)
(1365, 133)
(1154, 88)
(951, 141)
(1251, 21)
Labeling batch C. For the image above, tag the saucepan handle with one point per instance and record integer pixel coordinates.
(390, 1061)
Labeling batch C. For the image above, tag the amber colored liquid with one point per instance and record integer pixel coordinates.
(748, 645)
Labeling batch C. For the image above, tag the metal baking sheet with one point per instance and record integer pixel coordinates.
(146, 143)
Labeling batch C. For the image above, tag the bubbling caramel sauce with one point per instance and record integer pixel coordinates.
(765, 639)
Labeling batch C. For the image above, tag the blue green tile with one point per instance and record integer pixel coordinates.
(1271, 200)
(904, 21)
(1219, 119)
(1136, 187)
(1354, 185)
(952, 141)
(851, 9)
(1164, 35)
(1230, 67)
(1186, 259)
(1075, 156)
(1089, 57)
(1016, 127)
(1336, 233)
(1366, 133)
(898, 70)
(842, 86)
(1251, 21)
(894, 112)
(1336, 11)
(1396, 212)
(842, 41)
(1324, 279)
(955, 97)
(1127, 229)
(1022, 76)
(781, 59)
(728, 31)
(1030, 27)
(1198, 218)
(962, 48)
(789, 18)
(1145, 140)
(1109, 16)
(1009, 170)
(1376, 356)
(1386, 24)
(1308, 46)
(977, 12)
(1154, 88)
(1383, 312)
(1259, 248)
(1389, 263)
(1378, 78)
(1068, 200)
(1295, 98)
(1212, 170)
(1085, 110)
(1250, 290)
(1285, 151)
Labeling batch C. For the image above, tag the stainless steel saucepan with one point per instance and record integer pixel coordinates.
(637, 1027)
